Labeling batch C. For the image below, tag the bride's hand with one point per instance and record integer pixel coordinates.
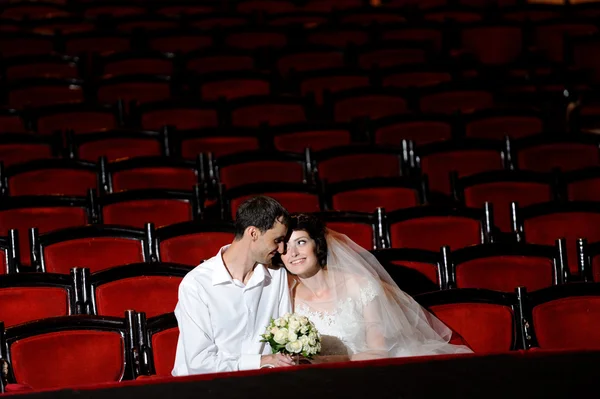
(276, 360)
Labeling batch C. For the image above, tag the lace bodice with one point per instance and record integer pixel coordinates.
(342, 329)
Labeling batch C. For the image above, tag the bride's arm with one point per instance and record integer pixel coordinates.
(375, 343)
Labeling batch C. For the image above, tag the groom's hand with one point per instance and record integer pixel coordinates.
(276, 360)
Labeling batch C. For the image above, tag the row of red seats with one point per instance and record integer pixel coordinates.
(93, 349)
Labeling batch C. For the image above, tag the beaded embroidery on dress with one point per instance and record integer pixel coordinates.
(339, 328)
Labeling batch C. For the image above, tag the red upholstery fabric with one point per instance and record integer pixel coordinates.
(3, 263)
(74, 182)
(267, 6)
(42, 69)
(367, 18)
(10, 47)
(148, 25)
(26, 11)
(596, 269)
(164, 347)
(570, 225)
(143, 92)
(458, 16)
(64, 28)
(568, 323)
(309, 62)
(45, 219)
(115, 149)
(391, 57)
(12, 124)
(180, 118)
(369, 106)
(420, 132)
(165, 178)
(220, 63)
(501, 194)
(261, 171)
(219, 146)
(550, 38)
(120, 10)
(367, 200)
(154, 295)
(234, 88)
(292, 201)
(416, 79)
(255, 40)
(181, 43)
(23, 304)
(273, 114)
(450, 102)
(360, 233)
(316, 140)
(427, 269)
(68, 358)
(218, 21)
(12, 154)
(432, 233)
(193, 248)
(494, 44)
(338, 38)
(432, 36)
(439, 165)
(79, 122)
(96, 45)
(138, 213)
(497, 128)
(146, 66)
(584, 190)
(359, 166)
(566, 156)
(38, 96)
(332, 83)
(185, 9)
(97, 254)
(505, 273)
(486, 328)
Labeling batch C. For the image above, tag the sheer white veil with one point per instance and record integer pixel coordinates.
(392, 323)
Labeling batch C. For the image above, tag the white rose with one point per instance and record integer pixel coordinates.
(273, 330)
(281, 336)
(312, 339)
(292, 337)
(294, 325)
(294, 347)
(304, 339)
(304, 320)
(279, 323)
(304, 330)
(286, 317)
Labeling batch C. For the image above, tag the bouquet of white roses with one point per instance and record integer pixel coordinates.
(294, 335)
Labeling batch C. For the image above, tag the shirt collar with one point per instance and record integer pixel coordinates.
(221, 275)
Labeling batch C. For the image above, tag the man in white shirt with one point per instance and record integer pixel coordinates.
(226, 303)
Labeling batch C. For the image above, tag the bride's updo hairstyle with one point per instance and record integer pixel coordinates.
(315, 229)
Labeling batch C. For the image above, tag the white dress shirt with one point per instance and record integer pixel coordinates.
(221, 319)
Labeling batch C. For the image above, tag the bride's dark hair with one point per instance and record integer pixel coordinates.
(315, 229)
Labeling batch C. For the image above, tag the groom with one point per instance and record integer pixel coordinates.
(226, 302)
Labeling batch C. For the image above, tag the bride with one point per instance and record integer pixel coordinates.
(354, 303)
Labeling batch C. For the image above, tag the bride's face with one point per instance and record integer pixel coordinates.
(300, 257)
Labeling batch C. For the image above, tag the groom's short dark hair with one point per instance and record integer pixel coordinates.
(260, 212)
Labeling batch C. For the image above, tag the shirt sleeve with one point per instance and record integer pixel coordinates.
(196, 338)
(285, 302)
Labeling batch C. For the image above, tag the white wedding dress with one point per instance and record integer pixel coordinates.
(366, 315)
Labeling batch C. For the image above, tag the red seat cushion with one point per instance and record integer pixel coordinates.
(193, 248)
(164, 347)
(431, 233)
(568, 323)
(23, 304)
(505, 273)
(68, 358)
(161, 178)
(154, 295)
(139, 212)
(487, 328)
(70, 182)
(96, 253)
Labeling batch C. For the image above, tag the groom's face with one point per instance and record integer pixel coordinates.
(269, 243)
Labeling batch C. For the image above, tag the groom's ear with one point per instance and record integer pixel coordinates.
(252, 232)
